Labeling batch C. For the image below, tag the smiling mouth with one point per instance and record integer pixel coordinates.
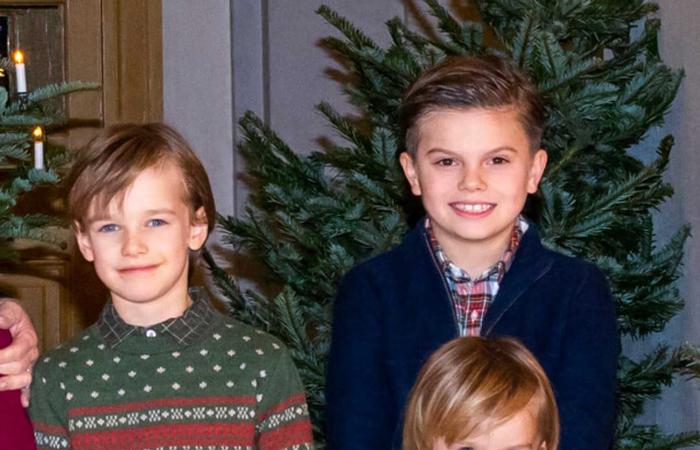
(137, 269)
(474, 208)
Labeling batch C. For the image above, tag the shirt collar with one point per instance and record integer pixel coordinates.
(498, 270)
(184, 329)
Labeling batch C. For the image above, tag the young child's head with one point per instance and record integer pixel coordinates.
(140, 202)
(481, 394)
(472, 129)
(463, 83)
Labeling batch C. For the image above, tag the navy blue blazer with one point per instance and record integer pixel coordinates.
(392, 311)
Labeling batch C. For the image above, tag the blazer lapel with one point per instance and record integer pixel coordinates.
(531, 262)
(431, 307)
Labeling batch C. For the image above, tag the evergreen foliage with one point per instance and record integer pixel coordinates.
(597, 64)
(18, 176)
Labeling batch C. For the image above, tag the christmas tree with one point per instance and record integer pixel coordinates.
(596, 62)
(19, 118)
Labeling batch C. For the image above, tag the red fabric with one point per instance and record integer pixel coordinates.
(286, 435)
(15, 428)
(204, 434)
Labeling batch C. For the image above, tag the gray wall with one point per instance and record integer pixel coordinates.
(197, 85)
(679, 409)
(223, 57)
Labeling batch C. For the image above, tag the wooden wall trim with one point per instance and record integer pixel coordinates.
(133, 61)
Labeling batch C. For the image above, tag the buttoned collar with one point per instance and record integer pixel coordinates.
(183, 330)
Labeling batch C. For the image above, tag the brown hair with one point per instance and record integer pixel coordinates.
(471, 384)
(465, 82)
(112, 160)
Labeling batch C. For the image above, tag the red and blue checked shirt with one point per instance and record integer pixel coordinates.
(471, 298)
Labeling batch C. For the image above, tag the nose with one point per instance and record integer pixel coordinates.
(133, 244)
(472, 179)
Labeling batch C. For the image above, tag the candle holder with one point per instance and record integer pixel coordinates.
(23, 99)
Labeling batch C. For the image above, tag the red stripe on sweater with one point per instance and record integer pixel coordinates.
(296, 399)
(241, 434)
(287, 435)
(163, 402)
(49, 429)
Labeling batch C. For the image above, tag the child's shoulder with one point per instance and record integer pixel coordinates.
(560, 270)
(69, 354)
(533, 249)
(562, 262)
(243, 339)
(408, 255)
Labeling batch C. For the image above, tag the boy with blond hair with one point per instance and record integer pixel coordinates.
(481, 394)
(160, 368)
(474, 266)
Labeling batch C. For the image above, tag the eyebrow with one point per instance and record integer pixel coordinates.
(104, 217)
(488, 152)
(98, 218)
(160, 211)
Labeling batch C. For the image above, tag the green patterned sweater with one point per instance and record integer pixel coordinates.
(199, 381)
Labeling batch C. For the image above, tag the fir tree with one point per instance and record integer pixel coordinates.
(18, 177)
(312, 218)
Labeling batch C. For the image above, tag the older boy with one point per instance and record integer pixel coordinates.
(473, 266)
(161, 368)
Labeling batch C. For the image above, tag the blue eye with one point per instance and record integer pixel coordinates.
(156, 222)
(108, 228)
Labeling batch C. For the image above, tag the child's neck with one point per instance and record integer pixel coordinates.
(477, 257)
(146, 314)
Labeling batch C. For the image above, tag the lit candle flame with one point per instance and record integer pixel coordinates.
(38, 133)
(18, 57)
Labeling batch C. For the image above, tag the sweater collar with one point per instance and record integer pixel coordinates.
(184, 329)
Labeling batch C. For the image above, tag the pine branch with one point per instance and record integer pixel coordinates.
(352, 33)
(643, 380)
(521, 48)
(245, 309)
(674, 441)
(686, 360)
(59, 89)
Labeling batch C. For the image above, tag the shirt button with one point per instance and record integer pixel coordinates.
(150, 333)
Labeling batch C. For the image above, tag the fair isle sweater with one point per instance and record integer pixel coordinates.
(199, 381)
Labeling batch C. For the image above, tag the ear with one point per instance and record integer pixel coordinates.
(409, 170)
(539, 162)
(84, 242)
(198, 230)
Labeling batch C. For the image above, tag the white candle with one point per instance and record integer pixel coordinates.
(20, 75)
(38, 134)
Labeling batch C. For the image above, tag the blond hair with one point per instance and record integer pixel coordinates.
(472, 384)
(112, 160)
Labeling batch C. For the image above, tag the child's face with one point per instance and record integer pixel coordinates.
(517, 433)
(473, 169)
(140, 248)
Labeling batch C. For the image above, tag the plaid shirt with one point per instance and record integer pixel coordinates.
(471, 298)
